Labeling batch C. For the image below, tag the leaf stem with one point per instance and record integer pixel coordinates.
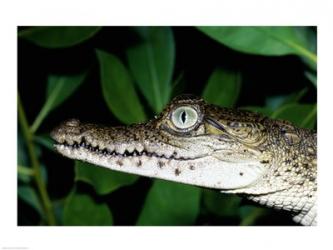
(28, 136)
(46, 107)
(303, 51)
(25, 170)
(297, 47)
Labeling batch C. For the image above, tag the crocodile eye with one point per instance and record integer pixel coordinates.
(184, 117)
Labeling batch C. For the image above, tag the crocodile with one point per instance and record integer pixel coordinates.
(271, 162)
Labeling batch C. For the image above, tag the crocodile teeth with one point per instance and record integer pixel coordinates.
(130, 149)
(94, 144)
(121, 151)
(139, 148)
(110, 148)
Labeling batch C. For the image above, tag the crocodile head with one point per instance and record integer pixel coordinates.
(190, 142)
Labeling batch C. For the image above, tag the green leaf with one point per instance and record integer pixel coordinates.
(262, 40)
(58, 37)
(266, 111)
(29, 195)
(302, 115)
(178, 85)
(22, 157)
(312, 77)
(309, 38)
(82, 210)
(221, 204)
(58, 208)
(151, 61)
(118, 89)
(169, 203)
(102, 179)
(223, 88)
(277, 101)
(59, 89)
(45, 141)
(44, 172)
(26, 171)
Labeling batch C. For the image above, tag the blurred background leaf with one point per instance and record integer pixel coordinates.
(118, 89)
(274, 102)
(221, 204)
(250, 214)
(82, 210)
(22, 158)
(302, 115)
(59, 88)
(261, 40)
(58, 37)
(169, 203)
(258, 109)
(58, 207)
(312, 77)
(151, 60)
(102, 179)
(24, 170)
(29, 195)
(45, 141)
(222, 88)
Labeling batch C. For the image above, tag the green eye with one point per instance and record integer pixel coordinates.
(184, 117)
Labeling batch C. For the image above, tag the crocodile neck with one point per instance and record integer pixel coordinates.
(271, 162)
(291, 182)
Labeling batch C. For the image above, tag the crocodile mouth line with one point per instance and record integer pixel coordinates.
(84, 145)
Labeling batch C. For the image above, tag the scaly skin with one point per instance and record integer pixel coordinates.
(271, 162)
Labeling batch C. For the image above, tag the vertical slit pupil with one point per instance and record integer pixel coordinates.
(183, 116)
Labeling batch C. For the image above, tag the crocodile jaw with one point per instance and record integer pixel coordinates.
(116, 149)
(205, 171)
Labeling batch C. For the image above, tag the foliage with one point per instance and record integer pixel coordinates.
(151, 61)
(136, 80)
(264, 40)
(116, 81)
(170, 204)
(224, 95)
(82, 210)
(58, 37)
(103, 180)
